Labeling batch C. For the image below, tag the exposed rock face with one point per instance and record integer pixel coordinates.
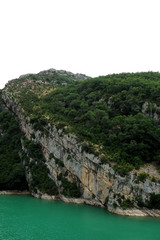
(151, 110)
(98, 183)
(52, 71)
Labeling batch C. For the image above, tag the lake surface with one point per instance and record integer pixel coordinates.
(28, 218)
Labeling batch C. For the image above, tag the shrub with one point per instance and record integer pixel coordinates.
(154, 201)
(123, 169)
(70, 189)
(59, 162)
(87, 147)
(127, 203)
(142, 177)
(115, 205)
(153, 179)
(106, 201)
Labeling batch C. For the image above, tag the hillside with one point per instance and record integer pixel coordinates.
(118, 115)
(12, 174)
(114, 121)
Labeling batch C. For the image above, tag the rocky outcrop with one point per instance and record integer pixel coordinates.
(52, 71)
(61, 73)
(98, 183)
(151, 110)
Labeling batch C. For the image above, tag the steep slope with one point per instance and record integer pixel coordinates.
(12, 174)
(88, 139)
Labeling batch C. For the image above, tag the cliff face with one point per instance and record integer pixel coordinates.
(80, 176)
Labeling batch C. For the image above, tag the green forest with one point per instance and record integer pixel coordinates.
(12, 175)
(116, 116)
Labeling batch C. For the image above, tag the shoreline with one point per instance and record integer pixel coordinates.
(67, 199)
(132, 212)
(14, 192)
(136, 212)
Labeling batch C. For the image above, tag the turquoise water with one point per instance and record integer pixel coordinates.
(27, 218)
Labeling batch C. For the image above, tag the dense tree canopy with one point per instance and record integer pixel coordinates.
(119, 113)
(12, 175)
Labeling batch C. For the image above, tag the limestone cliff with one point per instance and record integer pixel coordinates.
(70, 166)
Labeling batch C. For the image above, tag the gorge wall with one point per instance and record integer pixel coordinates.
(80, 176)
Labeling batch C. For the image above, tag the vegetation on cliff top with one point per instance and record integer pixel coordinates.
(118, 113)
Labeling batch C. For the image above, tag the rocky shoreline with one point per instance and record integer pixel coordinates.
(67, 199)
(14, 192)
(134, 212)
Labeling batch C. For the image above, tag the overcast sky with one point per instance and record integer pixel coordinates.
(94, 37)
